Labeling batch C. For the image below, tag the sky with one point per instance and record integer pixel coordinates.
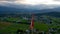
(33, 3)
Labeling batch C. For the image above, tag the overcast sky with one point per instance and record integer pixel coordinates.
(32, 2)
(35, 3)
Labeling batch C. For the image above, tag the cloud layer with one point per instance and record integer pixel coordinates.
(57, 0)
(8, 0)
(32, 1)
(42, 4)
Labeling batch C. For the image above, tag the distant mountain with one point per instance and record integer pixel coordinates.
(9, 10)
(12, 10)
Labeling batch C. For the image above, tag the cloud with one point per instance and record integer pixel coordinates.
(7, 0)
(16, 4)
(32, 2)
(11, 0)
(57, 0)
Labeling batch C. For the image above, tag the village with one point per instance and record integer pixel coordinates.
(52, 28)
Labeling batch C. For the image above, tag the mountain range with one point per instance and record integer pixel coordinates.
(9, 10)
(13, 10)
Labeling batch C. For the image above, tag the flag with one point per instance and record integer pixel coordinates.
(32, 23)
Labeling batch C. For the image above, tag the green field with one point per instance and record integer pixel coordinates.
(11, 28)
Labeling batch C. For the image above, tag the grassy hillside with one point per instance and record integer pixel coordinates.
(11, 28)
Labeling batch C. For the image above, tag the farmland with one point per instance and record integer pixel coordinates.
(10, 25)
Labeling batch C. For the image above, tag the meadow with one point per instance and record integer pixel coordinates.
(11, 28)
